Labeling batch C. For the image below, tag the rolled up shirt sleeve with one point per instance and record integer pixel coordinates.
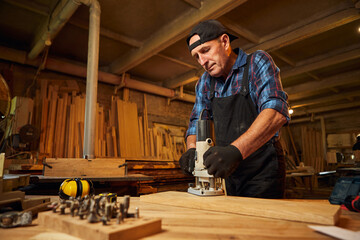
(267, 90)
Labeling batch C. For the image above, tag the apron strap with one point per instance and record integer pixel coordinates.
(212, 88)
(245, 82)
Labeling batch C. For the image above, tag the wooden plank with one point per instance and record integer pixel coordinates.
(44, 114)
(2, 162)
(12, 195)
(58, 127)
(293, 145)
(128, 130)
(51, 124)
(33, 202)
(113, 136)
(141, 135)
(126, 94)
(71, 135)
(151, 142)
(326, 214)
(98, 167)
(121, 128)
(133, 116)
(146, 127)
(132, 228)
(67, 128)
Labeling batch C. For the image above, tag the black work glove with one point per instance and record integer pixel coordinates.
(222, 161)
(187, 161)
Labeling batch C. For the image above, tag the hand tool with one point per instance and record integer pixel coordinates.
(205, 184)
(15, 219)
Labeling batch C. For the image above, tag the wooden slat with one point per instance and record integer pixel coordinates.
(71, 135)
(44, 114)
(146, 127)
(99, 167)
(113, 136)
(141, 135)
(121, 127)
(326, 214)
(51, 124)
(58, 127)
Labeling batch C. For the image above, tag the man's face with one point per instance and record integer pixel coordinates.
(211, 56)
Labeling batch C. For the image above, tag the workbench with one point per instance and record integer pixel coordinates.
(187, 223)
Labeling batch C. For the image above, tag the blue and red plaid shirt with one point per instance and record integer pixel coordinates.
(264, 85)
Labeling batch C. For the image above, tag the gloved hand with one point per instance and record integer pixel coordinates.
(222, 161)
(187, 161)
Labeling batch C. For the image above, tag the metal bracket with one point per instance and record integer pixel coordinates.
(121, 85)
(178, 95)
(124, 165)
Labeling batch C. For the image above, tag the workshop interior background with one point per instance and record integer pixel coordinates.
(146, 85)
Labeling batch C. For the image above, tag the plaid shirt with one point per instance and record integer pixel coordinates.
(264, 85)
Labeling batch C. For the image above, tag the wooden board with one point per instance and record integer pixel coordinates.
(14, 181)
(318, 213)
(79, 167)
(130, 229)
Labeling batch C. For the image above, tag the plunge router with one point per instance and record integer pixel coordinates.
(205, 184)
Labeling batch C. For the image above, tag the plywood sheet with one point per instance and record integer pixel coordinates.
(130, 229)
(79, 167)
(319, 213)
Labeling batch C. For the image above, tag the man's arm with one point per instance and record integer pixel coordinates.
(267, 123)
(191, 141)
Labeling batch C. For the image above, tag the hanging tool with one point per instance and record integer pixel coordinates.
(205, 184)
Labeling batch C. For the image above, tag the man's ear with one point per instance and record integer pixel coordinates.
(225, 41)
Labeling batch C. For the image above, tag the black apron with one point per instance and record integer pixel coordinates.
(262, 174)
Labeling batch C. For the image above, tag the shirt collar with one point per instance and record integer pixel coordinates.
(240, 60)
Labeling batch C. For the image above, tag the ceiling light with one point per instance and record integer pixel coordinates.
(291, 111)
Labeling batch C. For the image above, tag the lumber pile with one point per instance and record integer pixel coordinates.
(120, 130)
(312, 150)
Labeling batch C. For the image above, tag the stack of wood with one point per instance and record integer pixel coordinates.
(120, 131)
(135, 139)
(312, 150)
(62, 123)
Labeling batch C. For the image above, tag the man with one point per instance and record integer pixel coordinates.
(357, 144)
(356, 149)
(247, 113)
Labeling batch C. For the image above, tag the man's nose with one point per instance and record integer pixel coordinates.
(202, 60)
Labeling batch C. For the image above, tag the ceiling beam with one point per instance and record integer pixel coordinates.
(327, 115)
(175, 60)
(186, 78)
(172, 32)
(284, 58)
(310, 88)
(317, 62)
(328, 99)
(32, 6)
(43, 10)
(312, 26)
(194, 3)
(51, 27)
(336, 107)
(108, 33)
(334, 57)
(326, 60)
(239, 30)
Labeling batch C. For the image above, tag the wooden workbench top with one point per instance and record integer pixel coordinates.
(187, 223)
